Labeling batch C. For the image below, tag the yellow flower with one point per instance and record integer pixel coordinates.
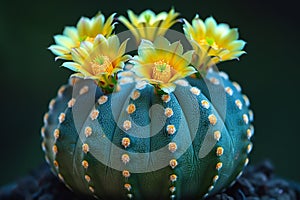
(86, 30)
(99, 59)
(148, 25)
(212, 42)
(162, 63)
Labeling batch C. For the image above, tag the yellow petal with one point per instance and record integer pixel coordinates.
(144, 70)
(72, 66)
(88, 46)
(160, 17)
(147, 17)
(232, 55)
(114, 44)
(146, 51)
(148, 25)
(96, 25)
(176, 47)
(77, 75)
(79, 55)
(167, 87)
(236, 45)
(133, 29)
(119, 60)
(64, 41)
(229, 37)
(187, 56)
(109, 25)
(199, 27)
(133, 18)
(71, 32)
(169, 19)
(64, 57)
(211, 26)
(222, 29)
(122, 48)
(188, 29)
(212, 43)
(161, 43)
(83, 27)
(58, 50)
(183, 60)
(187, 71)
(101, 44)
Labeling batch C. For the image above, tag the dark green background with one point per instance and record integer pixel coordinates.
(269, 73)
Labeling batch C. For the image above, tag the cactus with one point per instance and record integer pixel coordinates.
(169, 127)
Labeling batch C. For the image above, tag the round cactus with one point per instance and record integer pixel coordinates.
(163, 126)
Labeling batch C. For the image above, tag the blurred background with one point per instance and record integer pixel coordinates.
(268, 74)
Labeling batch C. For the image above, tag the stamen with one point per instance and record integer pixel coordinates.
(101, 64)
(161, 71)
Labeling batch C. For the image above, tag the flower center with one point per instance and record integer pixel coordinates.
(161, 71)
(101, 64)
(211, 42)
(147, 18)
(89, 39)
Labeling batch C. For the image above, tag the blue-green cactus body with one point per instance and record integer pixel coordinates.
(137, 144)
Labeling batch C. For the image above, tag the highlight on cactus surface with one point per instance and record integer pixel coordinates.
(158, 122)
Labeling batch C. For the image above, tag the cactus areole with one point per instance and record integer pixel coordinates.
(158, 124)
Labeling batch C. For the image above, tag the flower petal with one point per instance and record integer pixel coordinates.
(143, 71)
(146, 51)
(96, 25)
(169, 19)
(77, 75)
(109, 25)
(187, 71)
(180, 62)
(199, 26)
(130, 26)
(58, 50)
(122, 48)
(236, 45)
(176, 47)
(148, 25)
(232, 55)
(133, 18)
(71, 32)
(79, 55)
(88, 46)
(64, 57)
(161, 43)
(83, 27)
(167, 87)
(211, 26)
(64, 41)
(114, 44)
(229, 37)
(212, 43)
(72, 66)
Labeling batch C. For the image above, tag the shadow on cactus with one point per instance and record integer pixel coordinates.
(162, 124)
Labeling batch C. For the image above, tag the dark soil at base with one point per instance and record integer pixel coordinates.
(257, 182)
